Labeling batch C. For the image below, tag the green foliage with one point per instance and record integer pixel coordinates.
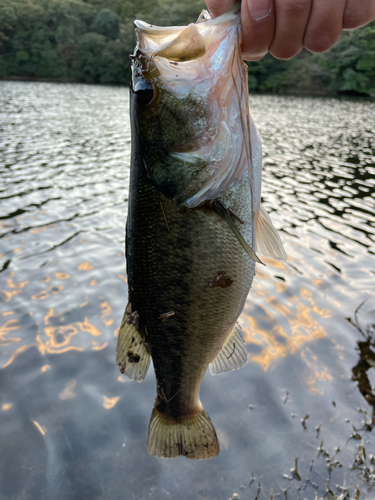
(107, 23)
(89, 41)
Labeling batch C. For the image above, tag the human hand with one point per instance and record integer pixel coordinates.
(284, 27)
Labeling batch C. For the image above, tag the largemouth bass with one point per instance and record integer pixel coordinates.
(194, 222)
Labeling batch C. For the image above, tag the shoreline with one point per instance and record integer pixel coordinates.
(291, 92)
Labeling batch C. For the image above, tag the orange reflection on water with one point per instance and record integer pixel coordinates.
(318, 283)
(11, 283)
(7, 406)
(85, 266)
(9, 326)
(109, 403)
(86, 326)
(279, 307)
(279, 340)
(307, 295)
(18, 351)
(15, 288)
(96, 347)
(8, 295)
(59, 336)
(40, 428)
(45, 368)
(274, 263)
(106, 309)
(315, 374)
(42, 295)
(281, 287)
(7, 313)
(51, 314)
(45, 348)
(62, 276)
(272, 350)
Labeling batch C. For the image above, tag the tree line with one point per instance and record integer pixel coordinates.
(90, 41)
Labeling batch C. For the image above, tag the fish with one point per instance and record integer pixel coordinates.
(195, 223)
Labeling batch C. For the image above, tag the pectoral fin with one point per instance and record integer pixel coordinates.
(268, 241)
(233, 354)
(223, 212)
(132, 356)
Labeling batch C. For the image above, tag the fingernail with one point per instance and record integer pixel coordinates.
(259, 9)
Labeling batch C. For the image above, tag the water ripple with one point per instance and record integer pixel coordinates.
(64, 165)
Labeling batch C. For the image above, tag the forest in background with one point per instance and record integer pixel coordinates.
(90, 41)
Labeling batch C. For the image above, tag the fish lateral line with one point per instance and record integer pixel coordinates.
(221, 210)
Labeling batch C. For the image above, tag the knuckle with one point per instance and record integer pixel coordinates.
(296, 7)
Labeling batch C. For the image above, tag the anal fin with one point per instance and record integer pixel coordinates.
(233, 354)
(267, 240)
(132, 356)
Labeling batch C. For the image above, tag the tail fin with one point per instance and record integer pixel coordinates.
(194, 438)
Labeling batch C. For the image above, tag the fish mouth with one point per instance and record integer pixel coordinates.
(182, 43)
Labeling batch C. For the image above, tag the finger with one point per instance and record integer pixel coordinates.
(258, 26)
(354, 17)
(325, 25)
(216, 8)
(291, 21)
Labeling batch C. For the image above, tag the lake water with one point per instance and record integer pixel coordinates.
(71, 426)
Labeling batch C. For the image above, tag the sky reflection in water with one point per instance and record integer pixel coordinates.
(71, 426)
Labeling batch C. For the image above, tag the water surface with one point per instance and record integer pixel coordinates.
(71, 426)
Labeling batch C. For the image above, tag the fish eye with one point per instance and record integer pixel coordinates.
(144, 93)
